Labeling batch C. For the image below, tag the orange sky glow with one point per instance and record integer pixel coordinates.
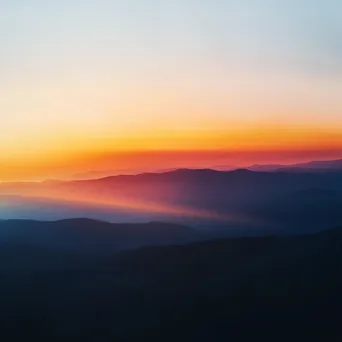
(136, 87)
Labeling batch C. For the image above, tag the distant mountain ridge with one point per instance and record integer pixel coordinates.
(312, 166)
(241, 199)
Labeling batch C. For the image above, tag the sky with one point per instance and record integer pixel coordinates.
(99, 84)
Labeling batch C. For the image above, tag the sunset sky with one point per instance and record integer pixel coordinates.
(99, 84)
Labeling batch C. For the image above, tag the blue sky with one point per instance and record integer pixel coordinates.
(286, 33)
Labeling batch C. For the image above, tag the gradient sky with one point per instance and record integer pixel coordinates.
(85, 79)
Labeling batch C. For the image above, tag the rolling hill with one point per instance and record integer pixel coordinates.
(225, 289)
(25, 242)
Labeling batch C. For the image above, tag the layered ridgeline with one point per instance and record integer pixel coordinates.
(245, 201)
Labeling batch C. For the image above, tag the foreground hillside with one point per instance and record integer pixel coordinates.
(285, 288)
(70, 243)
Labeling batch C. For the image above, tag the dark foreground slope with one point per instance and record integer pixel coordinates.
(27, 240)
(282, 288)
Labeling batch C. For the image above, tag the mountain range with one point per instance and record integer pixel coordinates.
(224, 256)
(312, 166)
(239, 201)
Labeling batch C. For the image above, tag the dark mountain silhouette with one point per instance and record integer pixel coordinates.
(117, 172)
(227, 289)
(87, 237)
(313, 166)
(90, 280)
(265, 167)
(326, 164)
(230, 286)
(308, 170)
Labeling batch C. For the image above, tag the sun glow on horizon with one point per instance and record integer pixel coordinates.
(93, 85)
